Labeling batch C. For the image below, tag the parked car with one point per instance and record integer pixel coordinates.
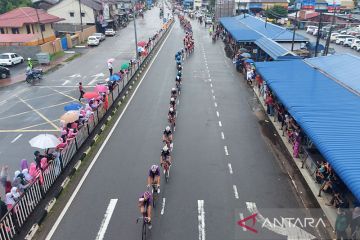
(110, 32)
(208, 20)
(348, 41)
(340, 39)
(355, 44)
(93, 41)
(310, 29)
(99, 36)
(333, 37)
(10, 59)
(4, 72)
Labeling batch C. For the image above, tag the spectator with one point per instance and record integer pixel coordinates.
(269, 101)
(15, 193)
(355, 219)
(9, 201)
(341, 224)
(110, 67)
(81, 90)
(38, 158)
(26, 174)
(24, 164)
(3, 209)
(4, 179)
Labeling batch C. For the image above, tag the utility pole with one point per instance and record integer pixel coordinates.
(329, 34)
(38, 20)
(318, 34)
(136, 41)
(295, 26)
(81, 23)
(267, 8)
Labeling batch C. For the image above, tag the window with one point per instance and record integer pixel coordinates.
(28, 30)
(72, 14)
(42, 27)
(15, 30)
(82, 14)
(2, 31)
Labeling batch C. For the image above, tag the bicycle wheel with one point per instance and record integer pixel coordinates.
(154, 197)
(167, 175)
(143, 234)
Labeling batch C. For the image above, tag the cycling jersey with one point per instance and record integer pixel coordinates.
(165, 154)
(145, 203)
(167, 133)
(154, 174)
(172, 114)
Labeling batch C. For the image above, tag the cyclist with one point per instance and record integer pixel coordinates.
(179, 74)
(171, 116)
(165, 156)
(178, 80)
(173, 93)
(179, 67)
(173, 103)
(167, 136)
(145, 203)
(154, 177)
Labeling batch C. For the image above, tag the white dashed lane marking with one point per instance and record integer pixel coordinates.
(230, 168)
(226, 151)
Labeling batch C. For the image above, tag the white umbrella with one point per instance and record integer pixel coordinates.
(44, 141)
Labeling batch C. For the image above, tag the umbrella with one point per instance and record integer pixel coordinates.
(249, 61)
(243, 50)
(114, 78)
(70, 116)
(44, 141)
(124, 66)
(110, 60)
(140, 49)
(142, 43)
(246, 55)
(100, 88)
(90, 95)
(72, 106)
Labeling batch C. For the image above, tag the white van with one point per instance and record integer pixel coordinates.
(340, 39)
(310, 29)
(355, 44)
(333, 36)
(348, 41)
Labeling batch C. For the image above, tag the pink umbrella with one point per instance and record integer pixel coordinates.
(100, 88)
(142, 43)
(90, 95)
(110, 60)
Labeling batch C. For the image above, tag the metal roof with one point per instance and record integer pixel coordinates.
(325, 110)
(273, 49)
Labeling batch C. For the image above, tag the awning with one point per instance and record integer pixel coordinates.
(238, 31)
(273, 49)
(325, 110)
(342, 67)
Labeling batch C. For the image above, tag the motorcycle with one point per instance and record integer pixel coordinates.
(33, 74)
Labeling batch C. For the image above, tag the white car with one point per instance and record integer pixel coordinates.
(355, 44)
(208, 20)
(340, 39)
(93, 41)
(110, 32)
(10, 59)
(333, 37)
(310, 29)
(348, 41)
(99, 36)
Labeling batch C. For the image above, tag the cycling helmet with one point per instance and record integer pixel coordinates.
(173, 89)
(172, 99)
(171, 109)
(165, 148)
(147, 195)
(29, 59)
(167, 128)
(154, 168)
(177, 77)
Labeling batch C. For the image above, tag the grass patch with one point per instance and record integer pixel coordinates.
(57, 55)
(73, 57)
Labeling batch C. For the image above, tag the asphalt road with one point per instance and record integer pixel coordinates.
(26, 111)
(221, 158)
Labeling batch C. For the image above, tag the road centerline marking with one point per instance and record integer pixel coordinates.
(215, 104)
(226, 151)
(201, 219)
(220, 124)
(163, 206)
(230, 168)
(105, 222)
(236, 194)
(222, 136)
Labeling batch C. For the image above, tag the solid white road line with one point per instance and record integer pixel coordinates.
(217, 114)
(220, 124)
(222, 136)
(201, 219)
(226, 151)
(215, 104)
(163, 206)
(66, 208)
(230, 168)
(236, 192)
(18, 136)
(105, 222)
(66, 82)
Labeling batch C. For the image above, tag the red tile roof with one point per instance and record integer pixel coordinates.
(20, 16)
(17, 38)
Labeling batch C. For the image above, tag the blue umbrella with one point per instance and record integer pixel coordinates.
(114, 78)
(249, 61)
(72, 106)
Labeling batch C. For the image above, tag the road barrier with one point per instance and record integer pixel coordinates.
(15, 218)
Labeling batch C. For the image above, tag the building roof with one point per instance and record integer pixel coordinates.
(26, 15)
(264, 1)
(326, 111)
(96, 5)
(250, 28)
(274, 49)
(341, 67)
(17, 38)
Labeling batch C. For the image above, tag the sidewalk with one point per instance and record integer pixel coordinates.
(46, 68)
(329, 211)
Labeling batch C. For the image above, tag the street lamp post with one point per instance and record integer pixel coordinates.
(330, 31)
(135, 32)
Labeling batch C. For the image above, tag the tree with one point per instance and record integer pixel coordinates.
(8, 5)
(276, 12)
